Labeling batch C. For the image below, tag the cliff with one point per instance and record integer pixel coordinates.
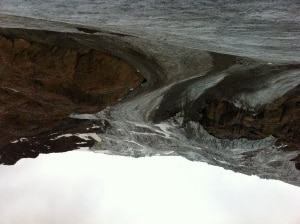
(42, 84)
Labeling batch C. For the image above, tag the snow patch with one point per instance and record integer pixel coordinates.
(93, 127)
(85, 136)
(20, 140)
(14, 90)
(164, 127)
(81, 143)
(222, 161)
(169, 153)
(61, 136)
(84, 116)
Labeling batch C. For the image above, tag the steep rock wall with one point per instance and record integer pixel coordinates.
(42, 84)
(280, 119)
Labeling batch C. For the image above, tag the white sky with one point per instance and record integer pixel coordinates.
(85, 187)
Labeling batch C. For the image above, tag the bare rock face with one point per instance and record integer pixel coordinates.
(232, 108)
(279, 118)
(41, 85)
(248, 100)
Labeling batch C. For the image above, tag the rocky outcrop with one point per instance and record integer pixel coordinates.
(65, 135)
(240, 99)
(42, 84)
(280, 118)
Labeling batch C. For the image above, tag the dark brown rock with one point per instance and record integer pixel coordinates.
(41, 85)
(280, 118)
(62, 136)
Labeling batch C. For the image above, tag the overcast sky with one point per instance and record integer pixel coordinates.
(85, 187)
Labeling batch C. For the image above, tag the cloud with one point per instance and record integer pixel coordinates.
(86, 187)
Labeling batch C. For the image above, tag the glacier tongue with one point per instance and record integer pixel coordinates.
(133, 133)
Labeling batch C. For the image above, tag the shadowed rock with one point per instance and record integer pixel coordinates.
(42, 84)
